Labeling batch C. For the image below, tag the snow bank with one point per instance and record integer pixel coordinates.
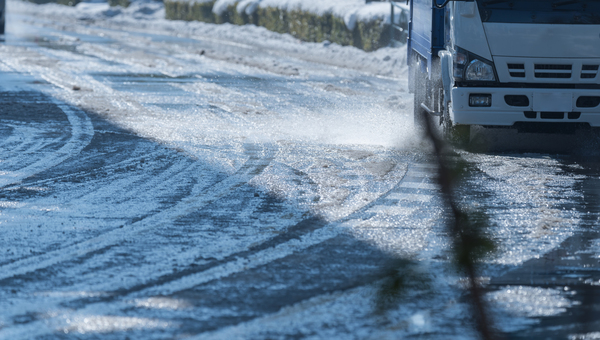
(350, 10)
(345, 22)
(345, 9)
(147, 10)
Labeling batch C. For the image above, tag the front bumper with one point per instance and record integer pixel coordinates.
(545, 105)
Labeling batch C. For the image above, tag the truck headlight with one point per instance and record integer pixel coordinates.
(471, 67)
(479, 71)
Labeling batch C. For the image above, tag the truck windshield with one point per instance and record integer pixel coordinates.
(574, 12)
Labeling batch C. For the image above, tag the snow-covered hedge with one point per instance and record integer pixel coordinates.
(346, 22)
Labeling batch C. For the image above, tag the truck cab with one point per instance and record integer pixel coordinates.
(525, 64)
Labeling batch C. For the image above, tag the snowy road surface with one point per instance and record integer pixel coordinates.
(182, 180)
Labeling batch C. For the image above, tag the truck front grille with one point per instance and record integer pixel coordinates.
(576, 71)
(516, 70)
(589, 71)
(553, 71)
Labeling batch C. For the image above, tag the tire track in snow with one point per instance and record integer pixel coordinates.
(208, 195)
(24, 140)
(82, 132)
(91, 172)
(120, 198)
(129, 186)
(306, 234)
(250, 169)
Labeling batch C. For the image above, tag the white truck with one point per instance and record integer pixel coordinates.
(527, 64)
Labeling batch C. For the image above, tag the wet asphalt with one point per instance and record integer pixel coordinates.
(102, 221)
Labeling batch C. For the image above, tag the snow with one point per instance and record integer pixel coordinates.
(138, 10)
(350, 10)
(221, 6)
(344, 9)
(248, 6)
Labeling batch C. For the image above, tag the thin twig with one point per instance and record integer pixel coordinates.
(460, 238)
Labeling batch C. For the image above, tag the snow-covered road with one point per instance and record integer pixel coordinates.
(169, 180)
